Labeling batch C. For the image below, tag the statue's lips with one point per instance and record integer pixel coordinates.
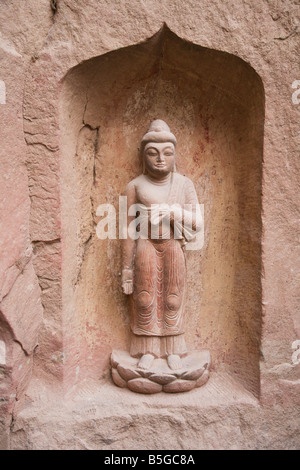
(160, 165)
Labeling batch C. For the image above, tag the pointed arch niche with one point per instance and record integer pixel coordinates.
(214, 103)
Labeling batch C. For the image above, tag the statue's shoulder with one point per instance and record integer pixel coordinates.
(133, 184)
(186, 189)
(183, 180)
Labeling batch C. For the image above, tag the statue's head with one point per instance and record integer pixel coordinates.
(158, 149)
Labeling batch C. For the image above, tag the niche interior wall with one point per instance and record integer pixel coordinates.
(214, 104)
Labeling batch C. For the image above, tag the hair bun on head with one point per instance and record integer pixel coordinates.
(158, 126)
(158, 131)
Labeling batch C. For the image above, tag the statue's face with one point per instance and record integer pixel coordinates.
(159, 158)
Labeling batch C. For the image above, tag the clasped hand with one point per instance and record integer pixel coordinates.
(127, 281)
(159, 212)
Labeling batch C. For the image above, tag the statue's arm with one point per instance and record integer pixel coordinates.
(128, 246)
(192, 214)
(188, 213)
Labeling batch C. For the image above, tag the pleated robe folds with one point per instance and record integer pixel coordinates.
(157, 303)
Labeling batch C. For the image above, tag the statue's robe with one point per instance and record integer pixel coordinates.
(157, 310)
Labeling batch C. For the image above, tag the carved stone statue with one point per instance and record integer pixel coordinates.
(163, 206)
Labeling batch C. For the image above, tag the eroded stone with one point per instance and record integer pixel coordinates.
(127, 373)
(193, 374)
(118, 379)
(162, 378)
(179, 386)
(203, 379)
(143, 385)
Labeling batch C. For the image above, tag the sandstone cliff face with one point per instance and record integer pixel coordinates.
(23, 29)
(52, 337)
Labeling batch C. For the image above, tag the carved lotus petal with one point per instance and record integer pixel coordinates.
(127, 373)
(145, 373)
(118, 379)
(203, 379)
(114, 359)
(179, 386)
(193, 374)
(162, 378)
(143, 385)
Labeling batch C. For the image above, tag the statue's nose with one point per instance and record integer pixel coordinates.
(160, 157)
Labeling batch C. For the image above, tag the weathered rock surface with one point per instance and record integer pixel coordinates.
(99, 415)
(20, 300)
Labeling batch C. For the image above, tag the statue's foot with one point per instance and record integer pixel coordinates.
(174, 362)
(146, 361)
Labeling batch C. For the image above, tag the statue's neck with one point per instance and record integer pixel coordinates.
(160, 181)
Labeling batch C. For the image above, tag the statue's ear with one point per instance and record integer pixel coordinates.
(141, 156)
